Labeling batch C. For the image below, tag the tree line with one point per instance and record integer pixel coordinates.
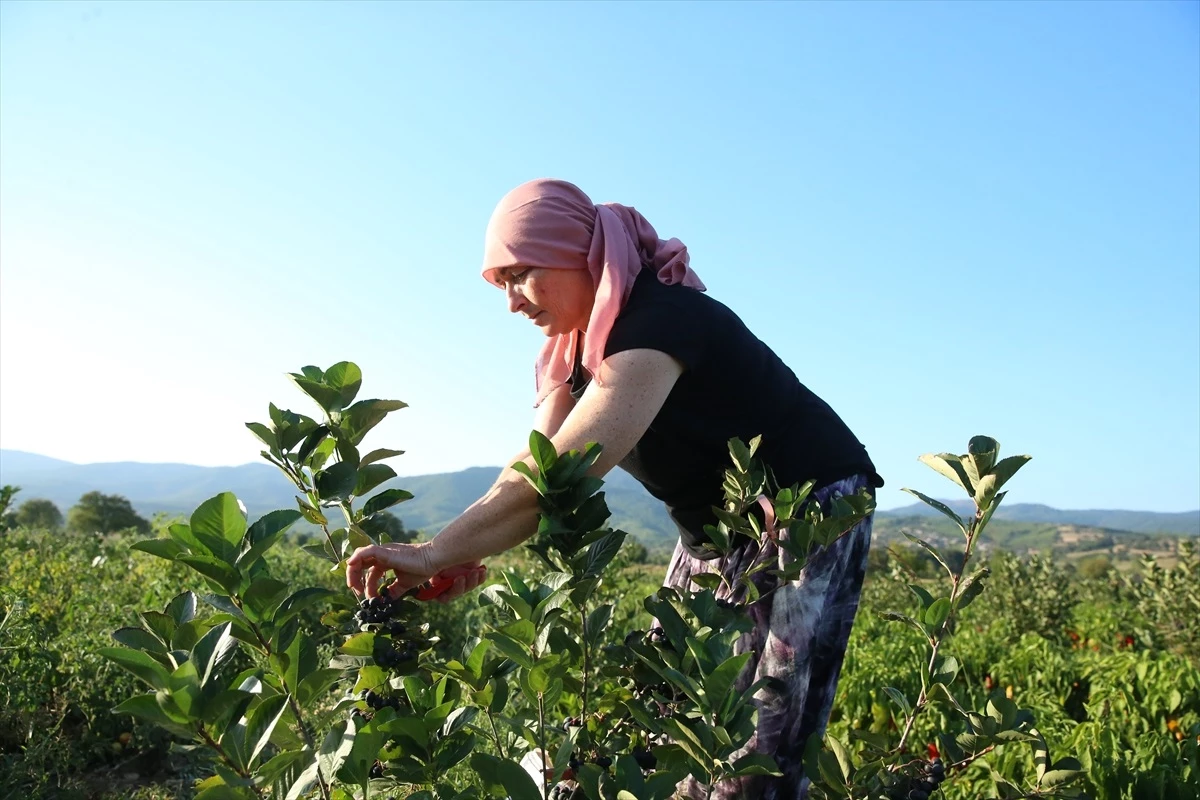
(95, 512)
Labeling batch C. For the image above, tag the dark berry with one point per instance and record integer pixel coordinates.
(604, 762)
(644, 758)
(917, 794)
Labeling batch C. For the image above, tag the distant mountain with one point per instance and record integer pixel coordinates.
(179, 488)
(1185, 523)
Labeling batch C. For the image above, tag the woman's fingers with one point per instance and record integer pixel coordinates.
(466, 581)
(375, 575)
(360, 560)
(367, 566)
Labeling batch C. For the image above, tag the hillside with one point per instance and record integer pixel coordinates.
(179, 488)
(1186, 523)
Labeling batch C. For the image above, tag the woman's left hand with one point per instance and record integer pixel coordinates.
(412, 565)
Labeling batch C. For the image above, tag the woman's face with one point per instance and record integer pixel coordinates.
(556, 300)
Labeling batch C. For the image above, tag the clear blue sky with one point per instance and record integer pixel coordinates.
(948, 218)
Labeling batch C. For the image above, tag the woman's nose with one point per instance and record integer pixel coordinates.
(516, 301)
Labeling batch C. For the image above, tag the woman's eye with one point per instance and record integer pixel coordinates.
(518, 277)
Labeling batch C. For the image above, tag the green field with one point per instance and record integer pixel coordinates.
(1109, 667)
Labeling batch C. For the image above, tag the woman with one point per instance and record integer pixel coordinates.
(639, 359)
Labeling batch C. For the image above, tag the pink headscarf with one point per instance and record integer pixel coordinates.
(553, 224)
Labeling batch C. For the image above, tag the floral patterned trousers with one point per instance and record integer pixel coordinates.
(799, 637)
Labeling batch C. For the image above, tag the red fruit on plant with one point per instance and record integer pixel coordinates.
(933, 750)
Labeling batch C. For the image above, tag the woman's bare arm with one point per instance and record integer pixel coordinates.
(636, 384)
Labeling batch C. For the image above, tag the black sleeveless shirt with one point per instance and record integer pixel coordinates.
(732, 385)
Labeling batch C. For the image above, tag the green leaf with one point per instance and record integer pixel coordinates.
(364, 415)
(928, 548)
(311, 442)
(940, 506)
(182, 607)
(360, 644)
(378, 455)
(212, 567)
(299, 600)
(346, 378)
(516, 781)
(327, 398)
(1007, 468)
(720, 681)
(163, 548)
(707, 580)
(370, 476)
(139, 663)
(830, 771)
(223, 603)
(972, 587)
(511, 649)
(184, 691)
(522, 631)
(139, 639)
(896, 617)
(145, 706)
(385, 499)
(264, 533)
(346, 451)
(1063, 771)
(950, 466)
(226, 792)
(265, 435)
(280, 764)
(898, 698)
(947, 670)
(221, 518)
(337, 482)
(597, 621)
(842, 755)
(985, 491)
(923, 596)
(602, 552)
(936, 614)
(1003, 711)
(301, 658)
(740, 454)
(183, 535)
(982, 452)
(543, 452)
(158, 623)
(213, 648)
(186, 635)
(226, 708)
(523, 468)
(337, 745)
(486, 769)
(262, 598)
(539, 679)
(315, 685)
(261, 723)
